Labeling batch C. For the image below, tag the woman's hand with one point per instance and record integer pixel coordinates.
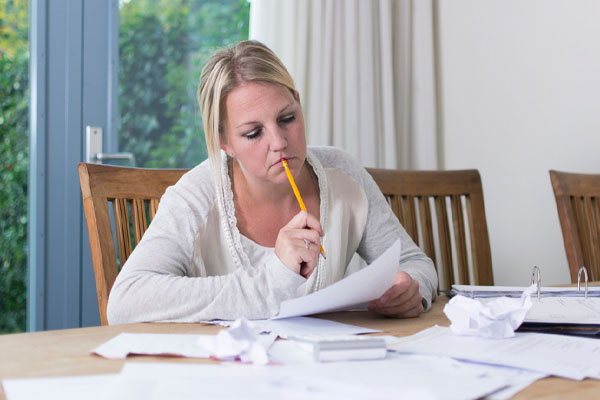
(402, 300)
(298, 245)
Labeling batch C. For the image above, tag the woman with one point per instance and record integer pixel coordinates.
(229, 239)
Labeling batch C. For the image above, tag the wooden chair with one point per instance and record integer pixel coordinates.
(134, 194)
(578, 203)
(444, 214)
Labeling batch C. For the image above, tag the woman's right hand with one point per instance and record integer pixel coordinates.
(298, 244)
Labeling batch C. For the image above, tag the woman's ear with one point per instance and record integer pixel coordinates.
(226, 148)
(297, 95)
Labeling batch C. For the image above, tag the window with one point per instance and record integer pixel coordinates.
(163, 45)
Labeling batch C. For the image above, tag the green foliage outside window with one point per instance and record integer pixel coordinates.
(14, 163)
(162, 47)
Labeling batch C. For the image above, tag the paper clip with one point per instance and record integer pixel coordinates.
(584, 270)
(539, 279)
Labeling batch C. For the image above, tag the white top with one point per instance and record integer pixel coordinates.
(193, 264)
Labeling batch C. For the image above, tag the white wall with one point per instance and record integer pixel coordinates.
(520, 94)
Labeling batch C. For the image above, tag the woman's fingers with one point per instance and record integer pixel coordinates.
(305, 220)
(298, 247)
(402, 300)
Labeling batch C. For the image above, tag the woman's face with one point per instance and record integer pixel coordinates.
(264, 124)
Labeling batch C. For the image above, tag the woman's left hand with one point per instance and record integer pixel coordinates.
(403, 300)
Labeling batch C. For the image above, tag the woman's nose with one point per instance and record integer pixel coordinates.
(278, 140)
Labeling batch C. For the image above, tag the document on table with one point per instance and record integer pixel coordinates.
(164, 344)
(88, 387)
(365, 285)
(564, 356)
(400, 376)
(565, 310)
(303, 326)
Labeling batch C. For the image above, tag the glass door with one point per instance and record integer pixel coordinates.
(125, 71)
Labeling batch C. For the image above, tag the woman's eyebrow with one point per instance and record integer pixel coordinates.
(246, 123)
(284, 109)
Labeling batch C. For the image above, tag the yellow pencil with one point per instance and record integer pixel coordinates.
(297, 193)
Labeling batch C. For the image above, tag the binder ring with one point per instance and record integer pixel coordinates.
(584, 270)
(537, 279)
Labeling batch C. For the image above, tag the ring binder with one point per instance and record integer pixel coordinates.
(584, 270)
(539, 279)
(559, 310)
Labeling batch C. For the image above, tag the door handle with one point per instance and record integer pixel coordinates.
(100, 157)
(94, 154)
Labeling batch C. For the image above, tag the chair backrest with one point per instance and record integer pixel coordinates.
(578, 203)
(443, 212)
(134, 194)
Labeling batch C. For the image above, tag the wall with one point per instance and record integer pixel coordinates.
(519, 95)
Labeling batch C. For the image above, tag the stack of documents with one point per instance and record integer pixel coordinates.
(564, 356)
(558, 310)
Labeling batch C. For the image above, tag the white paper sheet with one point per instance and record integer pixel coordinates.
(178, 345)
(401, 376)
(365, 285)
(285, 352)
(496, 318)
(564, 356)
(88, 387)
(168, 344)
(303, 326)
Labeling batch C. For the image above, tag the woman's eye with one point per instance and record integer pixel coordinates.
(287, 119)
(253, 135)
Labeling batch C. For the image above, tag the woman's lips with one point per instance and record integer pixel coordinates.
(282, 158)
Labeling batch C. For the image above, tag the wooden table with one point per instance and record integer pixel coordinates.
(67, 352)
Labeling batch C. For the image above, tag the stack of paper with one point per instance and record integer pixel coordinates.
(557, 310)
(564, 356)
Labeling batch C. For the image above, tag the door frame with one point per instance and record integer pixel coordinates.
(73, 84)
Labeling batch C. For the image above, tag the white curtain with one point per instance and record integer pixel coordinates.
(365, 73)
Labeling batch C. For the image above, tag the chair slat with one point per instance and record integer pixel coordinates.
(592, 235)
(459, 239)
(445, 243)
(474, 239)
(427, 227)
(581, 224)
(122, 229)
(396, 204)
(410, 218)
(139, 219)
(153, 208)
(594, 270)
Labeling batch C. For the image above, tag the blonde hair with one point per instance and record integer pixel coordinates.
(246, 61)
